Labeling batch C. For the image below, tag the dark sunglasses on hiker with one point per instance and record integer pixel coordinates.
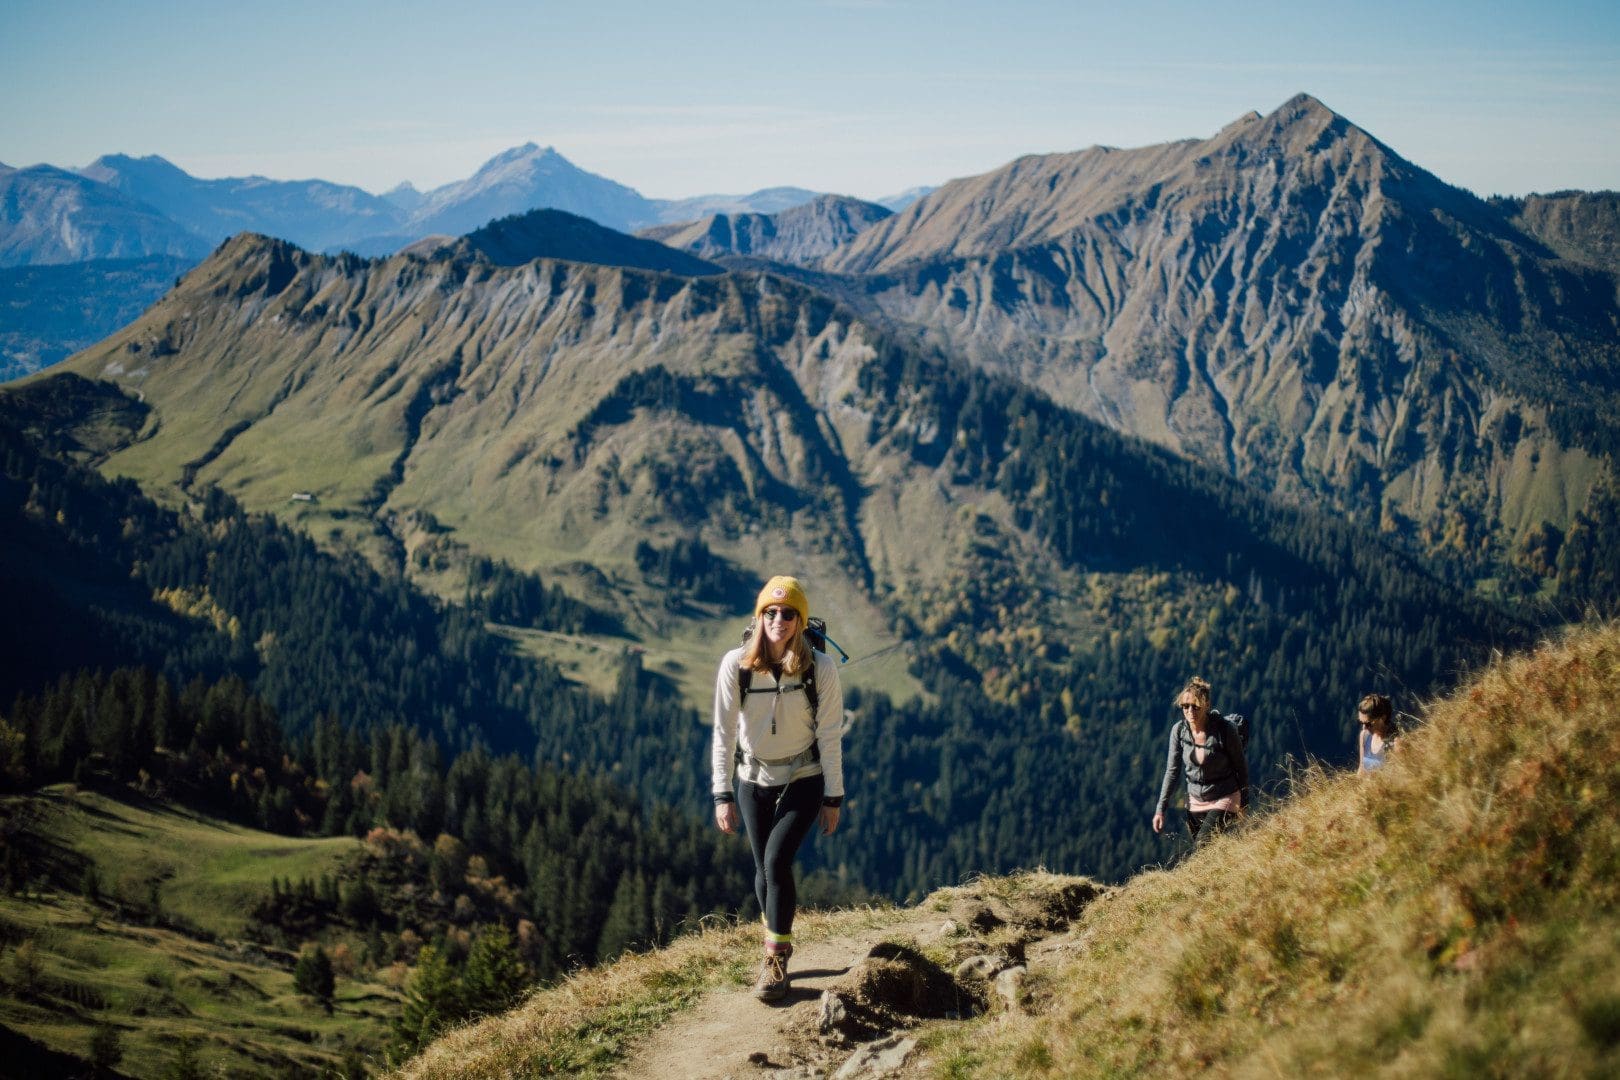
(786, 614)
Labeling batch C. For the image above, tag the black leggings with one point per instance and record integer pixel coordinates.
(778, 819)
(1206, 824)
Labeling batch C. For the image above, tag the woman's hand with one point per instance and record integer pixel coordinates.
(725, 816)
(829, 820)
(1158, 823)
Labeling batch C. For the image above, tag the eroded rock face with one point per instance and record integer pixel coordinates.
(894, 987)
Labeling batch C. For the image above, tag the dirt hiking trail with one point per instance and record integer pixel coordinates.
(857, 998)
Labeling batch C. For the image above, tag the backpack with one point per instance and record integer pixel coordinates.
(815, 632)
(1240, 724)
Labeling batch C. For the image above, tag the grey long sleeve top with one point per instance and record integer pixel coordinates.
(1225, 768)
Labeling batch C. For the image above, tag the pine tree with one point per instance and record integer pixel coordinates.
(432, 1002)
(495, 975)
(313, 976)
(627, 924)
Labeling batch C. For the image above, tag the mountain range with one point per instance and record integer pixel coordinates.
(127, 207)
(50, 216)
(1276, 407)
(1289, 302)
(576, 419)
(138, 211)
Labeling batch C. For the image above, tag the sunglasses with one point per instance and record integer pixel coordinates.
(786, 614)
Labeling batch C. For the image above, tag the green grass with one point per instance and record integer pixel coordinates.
(208, 872)
(155, 984)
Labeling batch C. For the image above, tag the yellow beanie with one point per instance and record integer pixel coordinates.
(784, 590)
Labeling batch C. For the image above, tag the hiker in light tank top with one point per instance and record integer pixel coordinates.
(1208, 750)
(779, 731)
(1377, 736)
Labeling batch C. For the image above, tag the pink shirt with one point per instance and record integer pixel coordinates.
(1229, 803)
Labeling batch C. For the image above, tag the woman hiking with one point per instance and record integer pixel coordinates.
(779, 727)
(1208, 750)
(1377, 719)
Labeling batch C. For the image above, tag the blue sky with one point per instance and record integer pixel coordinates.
(862, 97)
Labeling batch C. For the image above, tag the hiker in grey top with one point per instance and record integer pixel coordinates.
(1207, 749)
(778, 729)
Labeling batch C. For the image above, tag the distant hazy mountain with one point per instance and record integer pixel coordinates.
(319, 215)
(899, 202)
(405, 196)
(525, 178)
(799, 235)
(765, 201)
(312, 213)
(50, 215)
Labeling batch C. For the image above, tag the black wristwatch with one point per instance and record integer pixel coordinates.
(834, 801)
(723, 797)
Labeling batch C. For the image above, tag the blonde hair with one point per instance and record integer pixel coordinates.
(757, 655)
(1198, 688)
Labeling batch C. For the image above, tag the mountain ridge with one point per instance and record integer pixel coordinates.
(1288, 301)
(799, 235)
(559, 235)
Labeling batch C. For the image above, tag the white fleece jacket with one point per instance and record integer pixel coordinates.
(776, 727)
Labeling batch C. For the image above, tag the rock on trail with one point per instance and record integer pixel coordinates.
(857, 1001)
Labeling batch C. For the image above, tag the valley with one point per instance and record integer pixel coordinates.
(373, 549)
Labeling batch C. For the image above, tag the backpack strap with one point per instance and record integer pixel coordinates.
(812, 692)
(812, 695)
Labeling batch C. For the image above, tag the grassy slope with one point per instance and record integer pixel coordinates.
(157, 985)
(1454, 915)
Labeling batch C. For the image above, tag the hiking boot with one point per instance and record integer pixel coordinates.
(773, 977)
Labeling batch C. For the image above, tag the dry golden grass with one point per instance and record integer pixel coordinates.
(1452, 915)
(583, 1026)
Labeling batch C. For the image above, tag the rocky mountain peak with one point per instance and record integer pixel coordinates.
(529, 152)
(525, 178)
